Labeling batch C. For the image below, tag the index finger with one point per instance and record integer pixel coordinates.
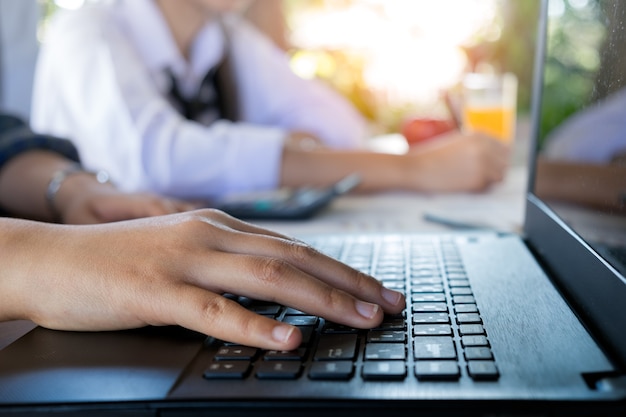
(311, 261)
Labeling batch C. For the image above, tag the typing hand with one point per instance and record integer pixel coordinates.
(173, 270)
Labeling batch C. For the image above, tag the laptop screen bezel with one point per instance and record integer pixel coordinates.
(594, 288)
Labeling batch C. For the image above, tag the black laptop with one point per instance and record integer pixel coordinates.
(495, 324)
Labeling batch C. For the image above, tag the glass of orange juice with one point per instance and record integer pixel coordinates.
(490, 105)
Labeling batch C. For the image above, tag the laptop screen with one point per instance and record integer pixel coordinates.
(581, 165)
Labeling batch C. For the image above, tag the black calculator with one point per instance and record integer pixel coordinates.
(285, 203)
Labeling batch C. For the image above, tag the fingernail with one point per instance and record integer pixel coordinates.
(282, 333)
(367, 310)
(391, 296)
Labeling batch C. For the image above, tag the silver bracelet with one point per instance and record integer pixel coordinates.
(61, 175)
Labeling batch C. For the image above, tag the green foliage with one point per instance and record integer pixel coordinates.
(574, 48)
(514, 51)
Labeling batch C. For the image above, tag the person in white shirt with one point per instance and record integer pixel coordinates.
(104, 79)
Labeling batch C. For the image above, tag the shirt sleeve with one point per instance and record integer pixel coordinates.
(16, 138)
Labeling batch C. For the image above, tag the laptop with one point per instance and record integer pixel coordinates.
(495, 324)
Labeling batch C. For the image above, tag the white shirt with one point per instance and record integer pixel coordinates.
(100, 81)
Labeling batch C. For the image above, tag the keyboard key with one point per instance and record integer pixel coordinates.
(388, 370)
(301, 320)
(483, 370)
(265, 309)
(431, 318)
(437, 370)
(463, 299)
(428, 298)
(465, 308)
(389, 276)
(429, 307)
(384, 351)
(427, 289)
(474, 341)
(461, 291)
(465, 329)
(332, 370)
(432, 330)
(392, 323)
(434, 348)
(285, 355)
(390, 273)
(425, 268)
(394, 285)
(383, 336)
(331, 328)
(293, 312)
(278, 370)
(307, 334)
(429, 280)
(231, 353)
(336, 347)
(227, 370)
(468, 318)
(483, 353)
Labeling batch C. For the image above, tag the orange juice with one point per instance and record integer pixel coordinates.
(498, 122)
(489, 104)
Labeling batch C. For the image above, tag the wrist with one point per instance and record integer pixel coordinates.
(69, 182)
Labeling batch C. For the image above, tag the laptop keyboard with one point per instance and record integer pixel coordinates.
(439, 336)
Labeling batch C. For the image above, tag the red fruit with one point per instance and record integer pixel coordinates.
(417, 130)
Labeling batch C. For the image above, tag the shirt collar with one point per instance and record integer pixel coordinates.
(149, 33)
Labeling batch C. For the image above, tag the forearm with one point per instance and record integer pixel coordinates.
(18, 245)
(322, 167)
(25, 179)
(450, 164)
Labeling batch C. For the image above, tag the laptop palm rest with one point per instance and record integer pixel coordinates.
(53, 366)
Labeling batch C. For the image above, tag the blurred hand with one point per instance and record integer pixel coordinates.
(173, 270)
(458, 162)
(104, 204)
(303, 141)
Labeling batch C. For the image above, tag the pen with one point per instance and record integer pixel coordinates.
(454, 224)
(452, 110)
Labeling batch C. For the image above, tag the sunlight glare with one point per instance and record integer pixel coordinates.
(70, 4)
(411, 49)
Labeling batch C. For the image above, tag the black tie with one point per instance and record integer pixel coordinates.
(217, 91)
(205, 99)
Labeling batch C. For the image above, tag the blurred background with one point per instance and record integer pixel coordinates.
(394, 58)
(573, 73)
